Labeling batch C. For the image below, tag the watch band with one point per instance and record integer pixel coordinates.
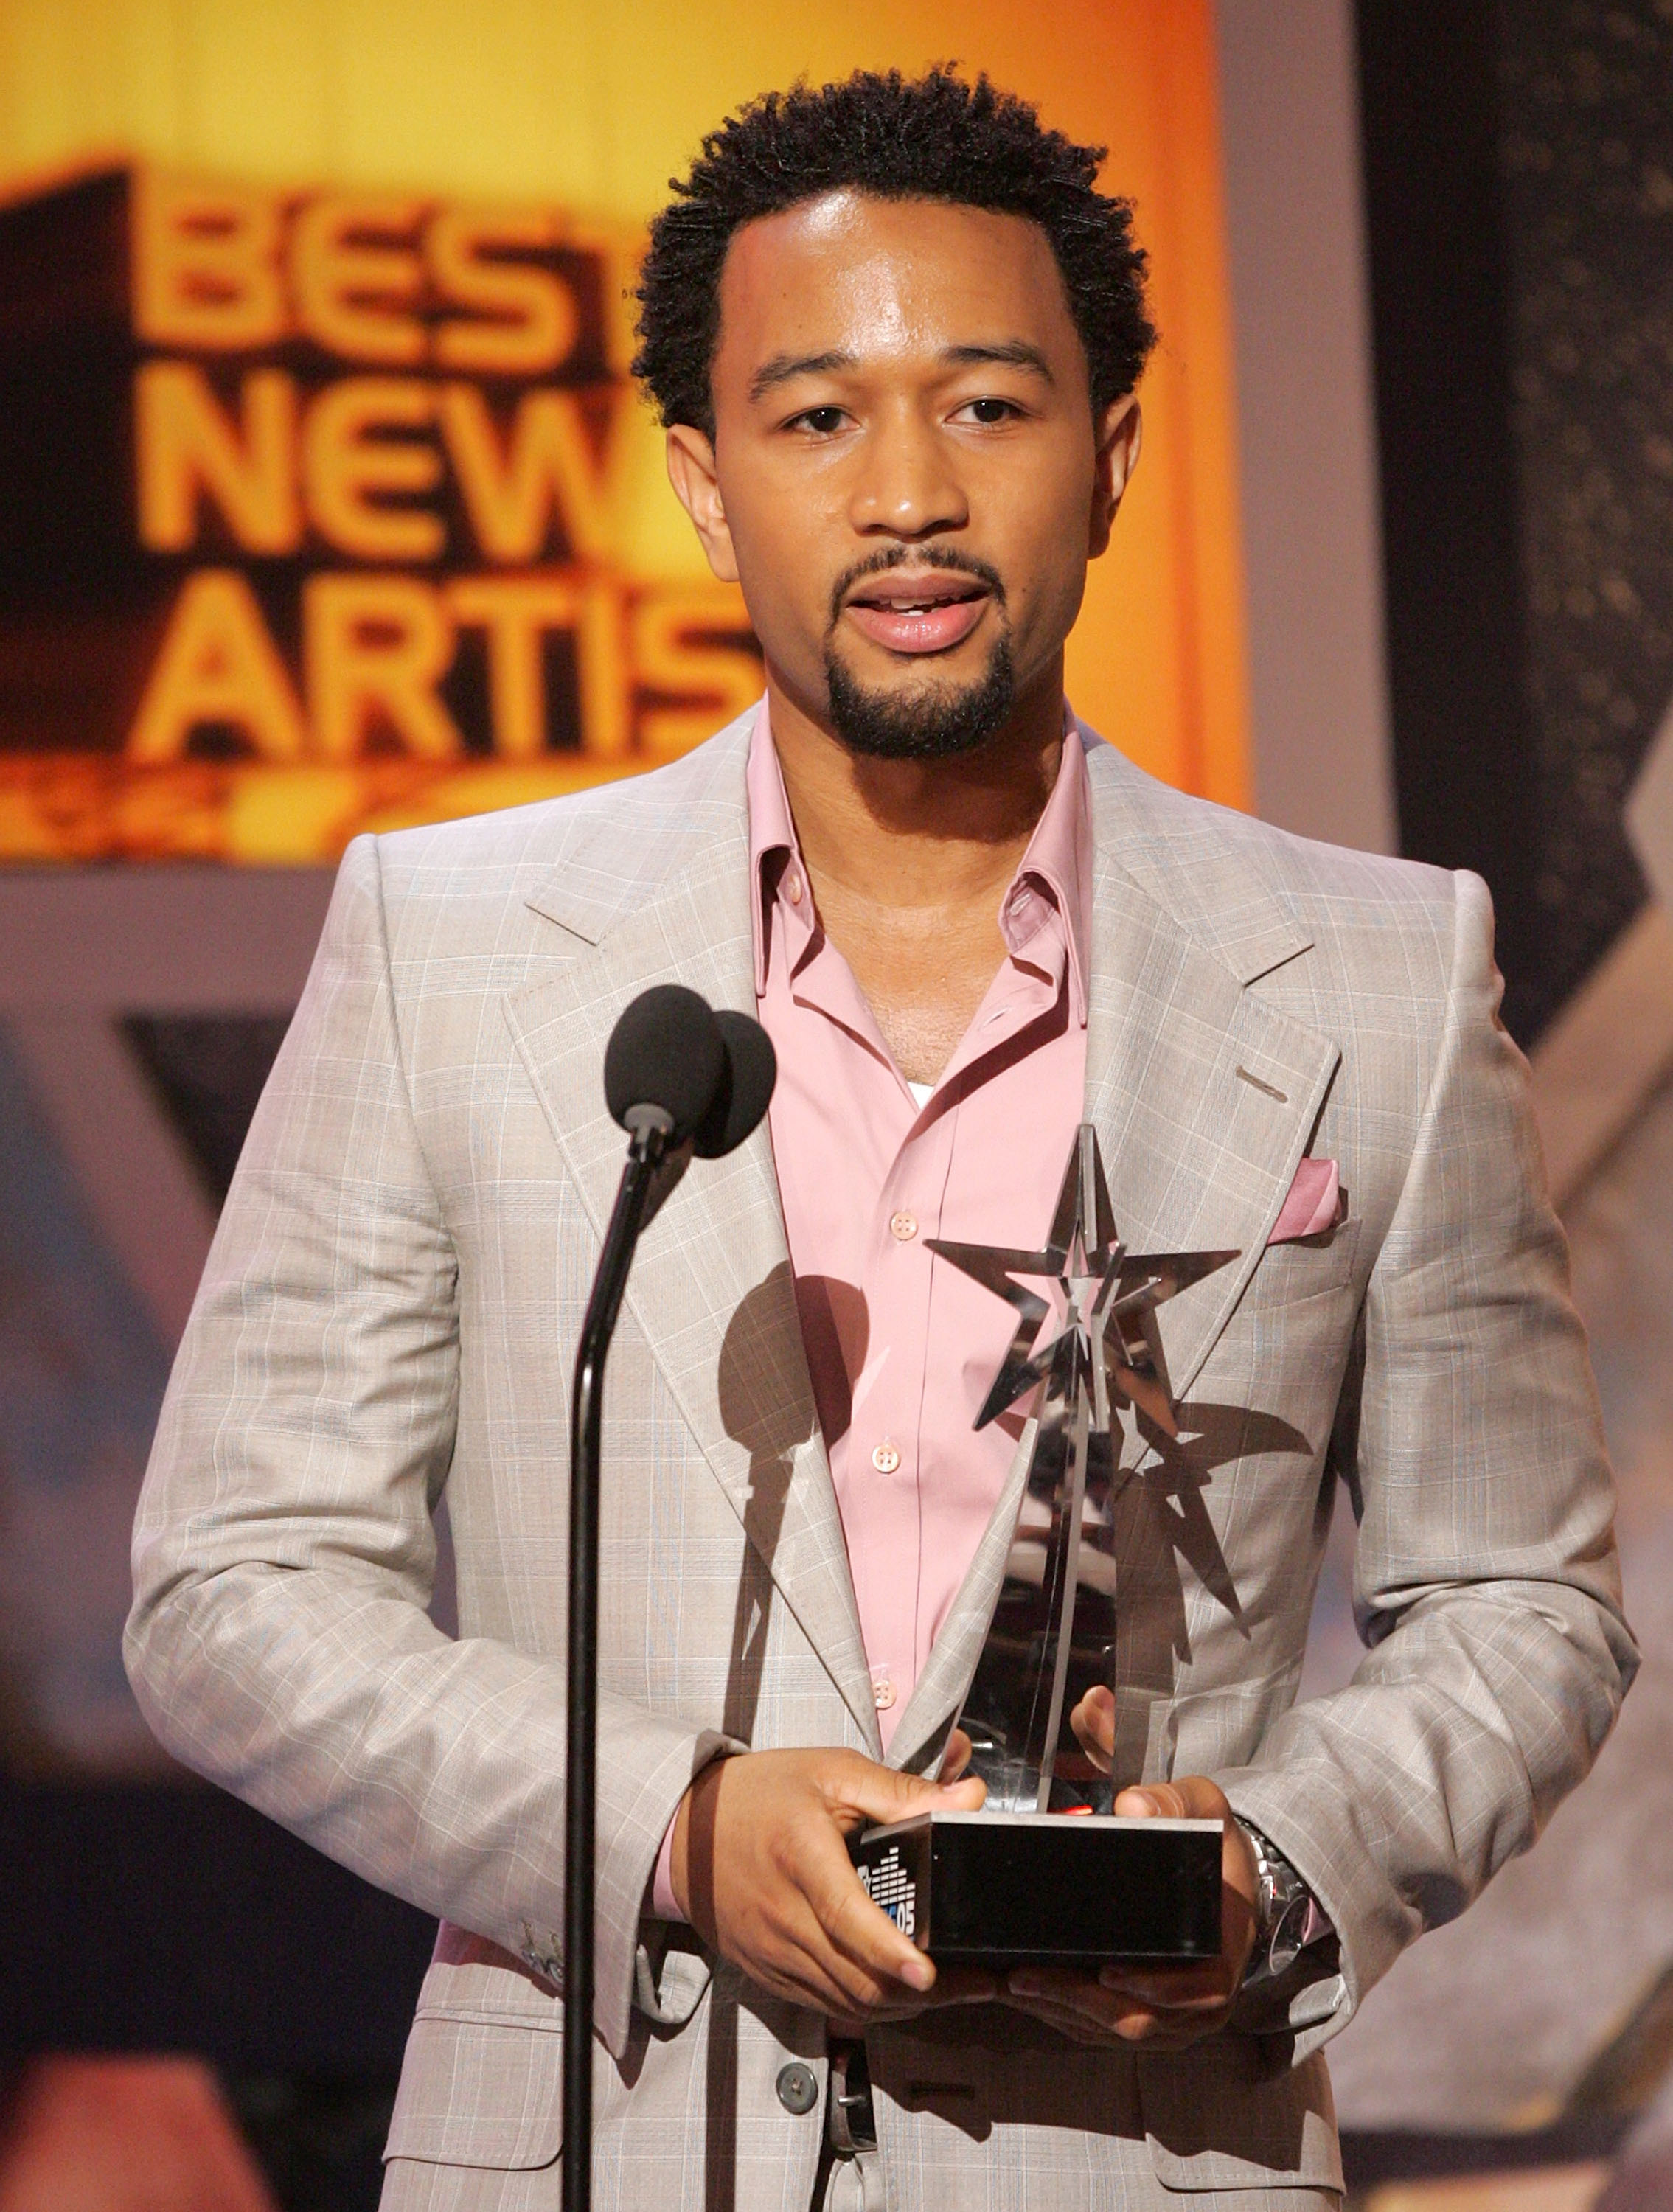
(1283, 1907)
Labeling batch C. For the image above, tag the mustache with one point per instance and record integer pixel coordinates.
(919, 556)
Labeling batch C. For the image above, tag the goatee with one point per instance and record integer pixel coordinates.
(928, 726)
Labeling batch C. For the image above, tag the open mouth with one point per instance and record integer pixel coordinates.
(925, 613)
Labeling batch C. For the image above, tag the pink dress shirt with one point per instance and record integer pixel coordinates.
(902, 1348)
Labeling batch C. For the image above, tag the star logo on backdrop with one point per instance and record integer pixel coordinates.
(1099, 1323)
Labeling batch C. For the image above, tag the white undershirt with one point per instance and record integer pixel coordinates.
(921, 1092)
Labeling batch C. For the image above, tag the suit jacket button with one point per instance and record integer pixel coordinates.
(798, 2087)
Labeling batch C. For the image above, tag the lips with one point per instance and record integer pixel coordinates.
(918, 614)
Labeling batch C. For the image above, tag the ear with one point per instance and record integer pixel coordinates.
(698, 487)
(1120, 434)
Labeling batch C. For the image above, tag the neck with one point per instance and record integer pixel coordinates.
(920, 833)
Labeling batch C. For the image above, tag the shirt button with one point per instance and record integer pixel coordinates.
(903, 1227)
(883, 1691)
(792, 892)
(798, 2088)
(885, 1459)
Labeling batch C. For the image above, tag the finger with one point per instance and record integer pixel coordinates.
(956, 1756)
(1200, 1799)
(1063, 2024)
(865, 1936)
(1063, 1991)
(803, 1958)
(954, 1986)
(1191, 1797)
(1086, 1995)
(1114, 2022)
(861, 1983)
(962, 1985)
(818, 1928)
(1195, 1798)
(1162, 1801)
(791, 1973)
(852, 1927)
(1093, 1720)
(1192, 1986)
(1061, 1985)
(857, 1789)
(1156, 1998)
(789, 1940)
(815, 1992)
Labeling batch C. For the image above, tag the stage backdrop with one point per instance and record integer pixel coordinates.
(330, 505)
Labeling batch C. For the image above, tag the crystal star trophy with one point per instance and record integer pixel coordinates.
(1045, 1875)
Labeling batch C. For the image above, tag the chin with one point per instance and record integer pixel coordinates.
(922, 716)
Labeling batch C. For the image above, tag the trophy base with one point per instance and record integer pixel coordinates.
(1048, 1889)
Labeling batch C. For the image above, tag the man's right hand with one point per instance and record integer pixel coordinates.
(761, 1869)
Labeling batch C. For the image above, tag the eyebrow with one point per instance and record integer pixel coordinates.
(783, 368)
(1013, 353)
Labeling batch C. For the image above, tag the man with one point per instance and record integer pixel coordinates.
(894, 334)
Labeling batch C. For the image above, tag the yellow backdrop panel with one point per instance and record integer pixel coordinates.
(589, 109)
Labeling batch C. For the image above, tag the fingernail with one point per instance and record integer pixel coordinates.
(917, 1973)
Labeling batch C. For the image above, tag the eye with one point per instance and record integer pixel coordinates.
(989, 412)
(822, 421)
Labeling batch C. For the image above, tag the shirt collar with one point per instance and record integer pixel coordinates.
(1054, 872)
(1057, 868)
(775, 861)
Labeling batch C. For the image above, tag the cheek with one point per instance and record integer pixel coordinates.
(1042, 516)
(1055, 569)
(780, 571)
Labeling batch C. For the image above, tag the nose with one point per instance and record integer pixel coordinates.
(906, 485)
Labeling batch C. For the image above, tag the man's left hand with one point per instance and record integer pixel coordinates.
(1162, 2008)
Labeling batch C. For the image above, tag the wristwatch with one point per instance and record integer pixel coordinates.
(1283, 1906)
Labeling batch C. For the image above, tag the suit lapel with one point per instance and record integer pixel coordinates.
(940, 1690)
(710, 1287)
(1197, 1157)
(1204, 1096)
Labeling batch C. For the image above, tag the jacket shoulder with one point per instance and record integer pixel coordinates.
(1210, 866)
(606, 843)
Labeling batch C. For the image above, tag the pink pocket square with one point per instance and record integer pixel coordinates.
(1313, 1203)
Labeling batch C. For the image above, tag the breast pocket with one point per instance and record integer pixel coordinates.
(1312, 1268)
(479, 2088)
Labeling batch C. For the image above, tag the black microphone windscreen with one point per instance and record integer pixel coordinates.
(751, 1070)
(667, 1051)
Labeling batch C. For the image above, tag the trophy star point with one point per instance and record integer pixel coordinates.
(1093, 1287)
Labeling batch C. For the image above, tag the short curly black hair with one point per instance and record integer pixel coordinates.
(936, 137)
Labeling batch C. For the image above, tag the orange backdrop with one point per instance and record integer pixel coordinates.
(558, 622)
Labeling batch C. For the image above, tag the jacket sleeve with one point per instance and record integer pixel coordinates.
(284, 1551)
(1486, 1583)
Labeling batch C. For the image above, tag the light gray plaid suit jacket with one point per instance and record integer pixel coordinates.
(390, 1310)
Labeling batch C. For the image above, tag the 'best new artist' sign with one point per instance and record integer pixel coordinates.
(316, 521)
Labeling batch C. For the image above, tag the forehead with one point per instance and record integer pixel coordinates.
(849, 272)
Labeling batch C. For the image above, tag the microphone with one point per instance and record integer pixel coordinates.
(664, 1063)
(746, 1087)
(681, 1079)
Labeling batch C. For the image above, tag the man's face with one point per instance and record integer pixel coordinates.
(906, 476)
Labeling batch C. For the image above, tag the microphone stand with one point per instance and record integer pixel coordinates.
(650, 1128)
